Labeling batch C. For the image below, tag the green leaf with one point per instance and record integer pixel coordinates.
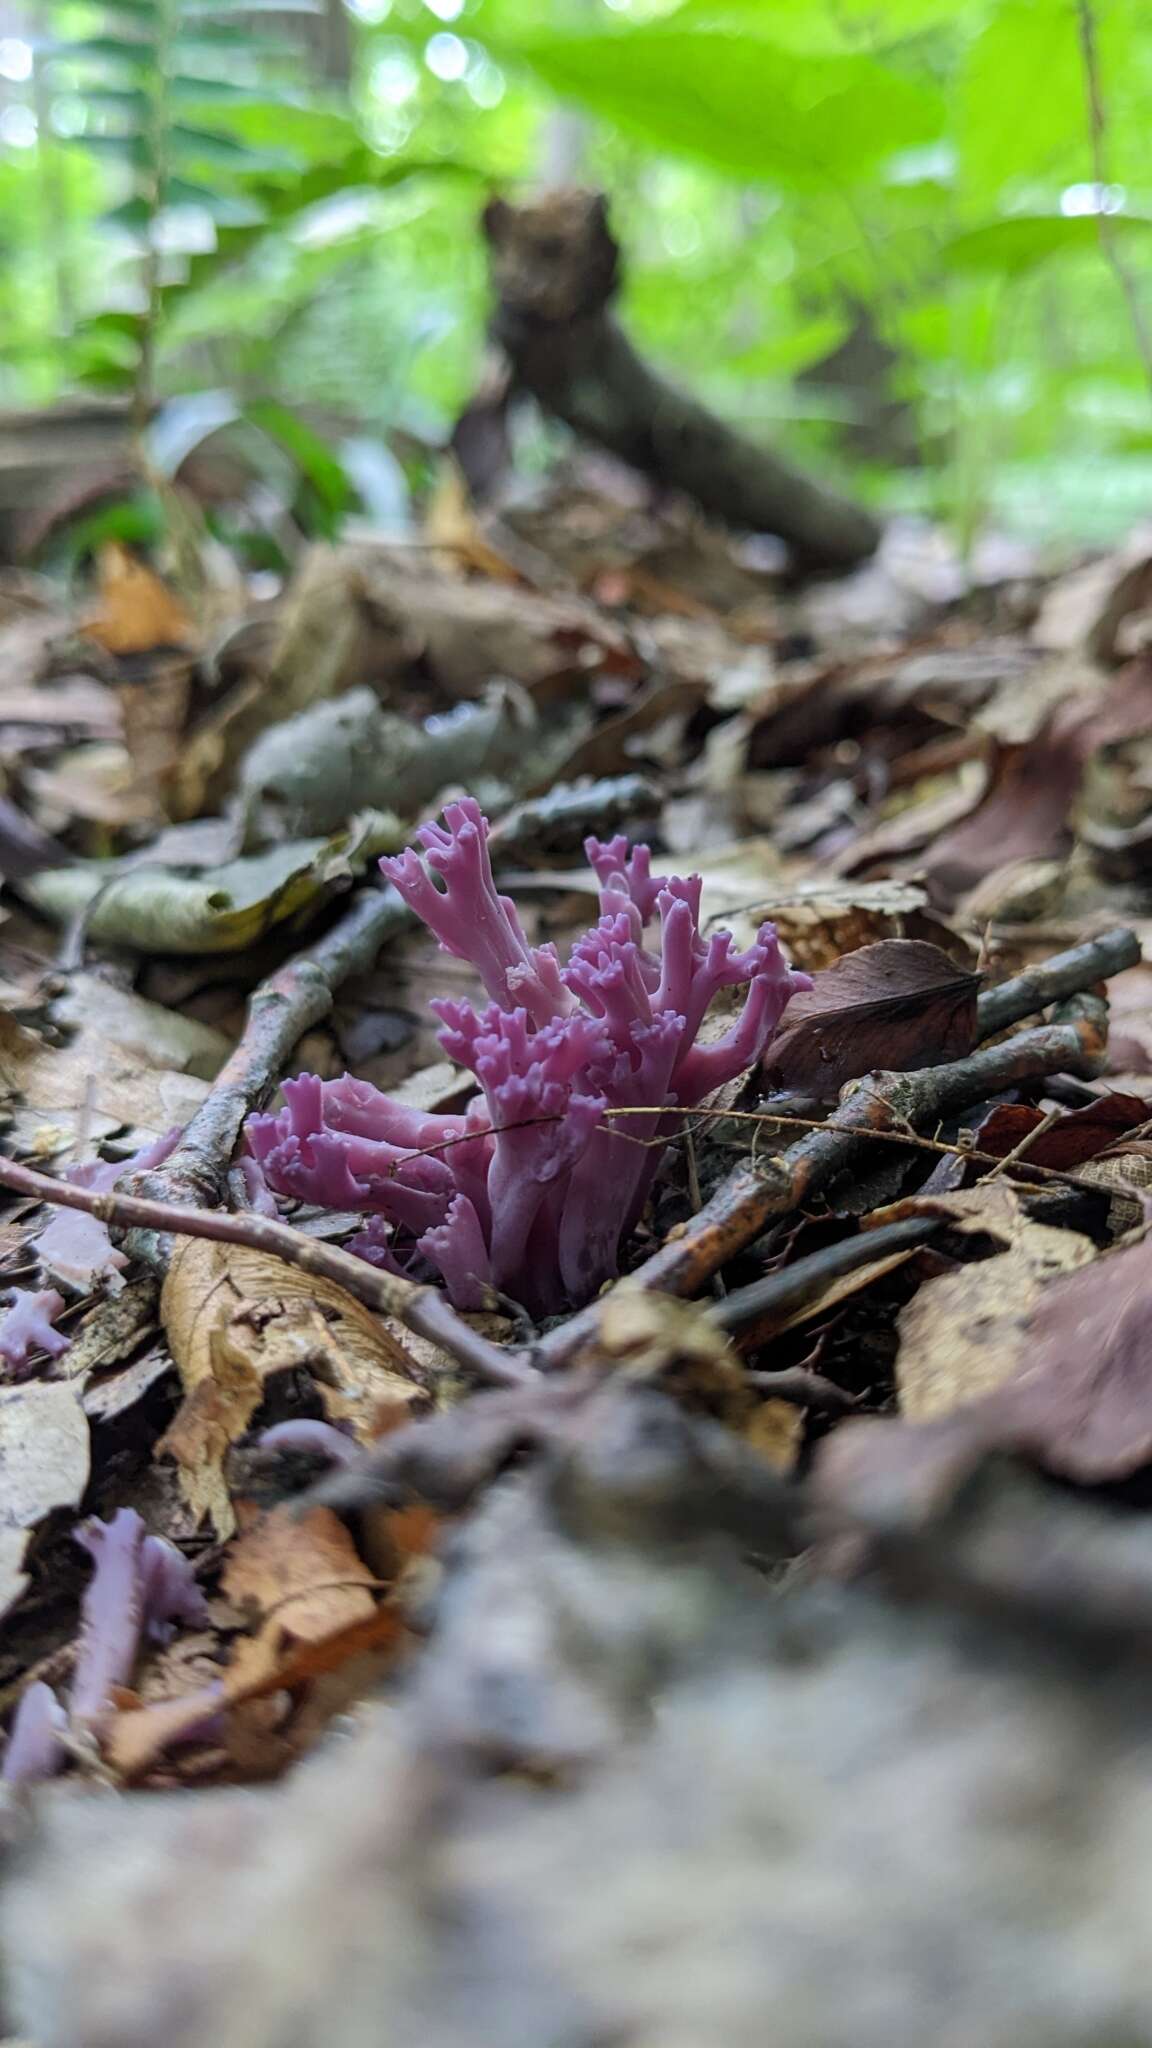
(112, 325)
(187, 90)
(137, 55)
(1015, 245)
(195, 10)
(207, 146)
(300, 134)
(223, 206)
(207, 38)
(738, 100)
(1021, 97)
(129, 99)
(126, 149)
(311, 454)
(227, 209)
(133, 214)
(281, 203)
(821, 26)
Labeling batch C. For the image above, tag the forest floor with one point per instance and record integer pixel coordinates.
(767, 1638)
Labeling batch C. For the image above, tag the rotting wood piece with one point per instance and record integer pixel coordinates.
(555, 271)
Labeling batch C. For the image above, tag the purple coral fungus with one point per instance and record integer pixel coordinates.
(27, 1326)
(534, 1187)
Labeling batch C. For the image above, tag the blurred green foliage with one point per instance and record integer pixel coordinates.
(195, 196)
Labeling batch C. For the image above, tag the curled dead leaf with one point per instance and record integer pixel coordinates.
(1075, 1136)
(964, 1332)
(1023, 815)
(234, 1317)
(1074, 1394)
(158, 909)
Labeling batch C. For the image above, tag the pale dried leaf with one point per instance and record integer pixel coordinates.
(44, 1460)
(775, 1430)
(963, 1333)
(233, 1317)
(94, 1075)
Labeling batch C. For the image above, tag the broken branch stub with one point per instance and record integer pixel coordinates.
(555, 270)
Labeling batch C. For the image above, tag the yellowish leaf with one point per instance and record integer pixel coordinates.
(136, 611)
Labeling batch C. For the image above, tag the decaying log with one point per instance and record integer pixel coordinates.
(555, 272)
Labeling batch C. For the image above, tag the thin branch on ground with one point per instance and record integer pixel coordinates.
(777, 1296)
(940, 1148)
(424, 1310)
(759, 1193)
(1065, 974)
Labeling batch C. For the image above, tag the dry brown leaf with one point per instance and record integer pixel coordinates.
(94, 1077)
(1081, 1399)
(775, 1430)
(313, 1602)
(1087, 607)
(1130, 1020)
(315, 1609)
(1023, 815)
(609, 748)
(100, 1015)
(299, 1577)
(1076, 1135)
(963, 1333)
(820, 1304)
(649, 1336)
(931, 809)
(78, 705)
(233, 1317)
(450, 523)
(899, 1004)
(155, 722)
(136, 611)
(1076, 1396)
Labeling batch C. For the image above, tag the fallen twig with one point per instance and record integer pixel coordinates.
(780, 1294)
(761, 1192)
(424, 1310)
(1065, 974)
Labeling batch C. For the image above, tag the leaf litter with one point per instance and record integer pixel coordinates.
(592, 1590)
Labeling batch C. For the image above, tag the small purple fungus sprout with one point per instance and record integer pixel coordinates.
(141, 1586)
(532, 1190)
(28, 1325)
